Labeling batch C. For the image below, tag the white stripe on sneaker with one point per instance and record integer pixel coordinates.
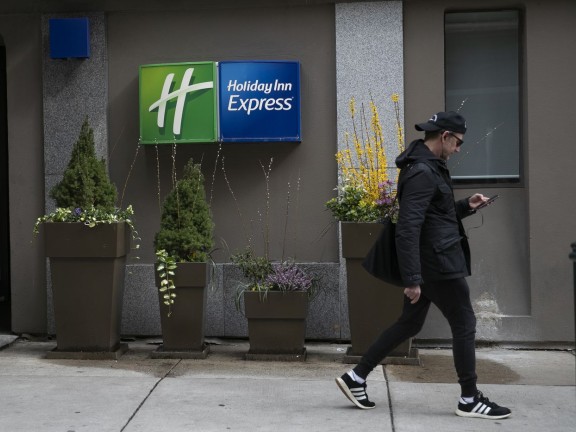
(356, 395)
(359, 394)
(480, 408)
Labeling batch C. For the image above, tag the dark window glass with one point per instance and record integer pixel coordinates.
(482, 83)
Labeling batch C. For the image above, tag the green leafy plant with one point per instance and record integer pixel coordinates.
(349, 205)
(254, 268)
(85, 194)
(186, 227)
(366, 192)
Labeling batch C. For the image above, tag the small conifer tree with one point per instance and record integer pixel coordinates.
(186, 224)
(85, 182)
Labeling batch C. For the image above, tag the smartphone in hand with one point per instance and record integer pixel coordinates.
(487, 203)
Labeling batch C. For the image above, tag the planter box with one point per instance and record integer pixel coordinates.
(87, 267)
(183, 331)
(276, 323)
(373, 305)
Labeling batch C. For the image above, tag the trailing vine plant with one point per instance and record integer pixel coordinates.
(166, 265)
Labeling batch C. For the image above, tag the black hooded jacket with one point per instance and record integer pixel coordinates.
(430, 239)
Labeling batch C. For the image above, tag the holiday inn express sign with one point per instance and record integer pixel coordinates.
(177, 103)
(232, 101)
(259, 101)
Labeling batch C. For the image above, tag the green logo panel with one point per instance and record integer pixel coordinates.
(178, 103)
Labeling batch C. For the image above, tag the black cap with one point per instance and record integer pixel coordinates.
(449, 121)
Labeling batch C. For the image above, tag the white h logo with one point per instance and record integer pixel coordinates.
(180, 96)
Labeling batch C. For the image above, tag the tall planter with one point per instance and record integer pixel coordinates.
(87, 268)
(276, 325)
(373, 305)
(183, 330)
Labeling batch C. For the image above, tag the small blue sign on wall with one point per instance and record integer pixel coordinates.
(259, 101)
(69, 38)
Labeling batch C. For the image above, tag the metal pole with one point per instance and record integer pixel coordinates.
(573, 258)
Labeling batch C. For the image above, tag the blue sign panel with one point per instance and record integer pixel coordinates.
(69, 38)
(259, 101)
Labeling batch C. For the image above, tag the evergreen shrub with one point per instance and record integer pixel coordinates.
(85, 183)
(186, 224)
(85, 194)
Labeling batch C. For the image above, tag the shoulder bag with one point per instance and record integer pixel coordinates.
(382, 260)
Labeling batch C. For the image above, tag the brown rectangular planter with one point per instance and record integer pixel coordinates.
(87, 266)
(184, 329)
(373, 305)
(76, 240)
(276, 322)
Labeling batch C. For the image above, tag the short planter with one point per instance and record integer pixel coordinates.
(373, 305)
(276, 325)
(183, 330)
(87, 268)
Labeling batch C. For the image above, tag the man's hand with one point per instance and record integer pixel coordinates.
(413, 293)
(476, 199)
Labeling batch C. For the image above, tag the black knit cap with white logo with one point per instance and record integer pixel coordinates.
(449, 121)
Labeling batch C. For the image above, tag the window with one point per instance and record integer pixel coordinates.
(482, 55)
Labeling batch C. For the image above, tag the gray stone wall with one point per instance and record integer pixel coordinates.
(369, 66)
(141, 315)
(73, 89)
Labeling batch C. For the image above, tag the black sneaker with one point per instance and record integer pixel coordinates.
(355, 392)
(482, 408)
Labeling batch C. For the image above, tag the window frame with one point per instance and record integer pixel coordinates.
(509, 182)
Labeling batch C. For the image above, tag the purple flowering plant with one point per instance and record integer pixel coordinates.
(263, 276)
(288, 276)
(386, 203)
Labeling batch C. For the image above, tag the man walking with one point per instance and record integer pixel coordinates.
(434, 259)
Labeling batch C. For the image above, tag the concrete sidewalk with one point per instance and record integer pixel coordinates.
(226, 393)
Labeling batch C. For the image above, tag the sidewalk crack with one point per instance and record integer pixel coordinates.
(148, 395)
(389, 399)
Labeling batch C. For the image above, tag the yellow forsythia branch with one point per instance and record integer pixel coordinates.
(366, 165)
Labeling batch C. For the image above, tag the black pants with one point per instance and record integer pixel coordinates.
(452, 297)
